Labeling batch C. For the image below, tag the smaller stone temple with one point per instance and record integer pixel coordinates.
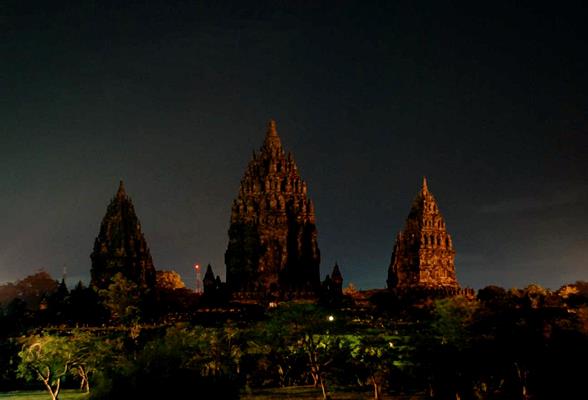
(121, 247)
(333, 284)
(423, 256)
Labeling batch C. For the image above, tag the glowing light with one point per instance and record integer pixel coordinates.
(331, 318)
(199, 288)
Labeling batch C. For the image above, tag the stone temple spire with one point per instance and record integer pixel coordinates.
(337, 279)
(423, 254)
(209, 281)
(272, 248)
(272, 140)
(121, 246)
(121, 193)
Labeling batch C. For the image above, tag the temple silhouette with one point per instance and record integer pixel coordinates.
(121, 247)
(272, 250)
(423, 259)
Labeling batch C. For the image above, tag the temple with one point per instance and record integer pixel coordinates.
(121, 247)
(332, 286)
(423, 256)
(272, 250)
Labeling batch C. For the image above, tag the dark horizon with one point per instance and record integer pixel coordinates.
(487, 102)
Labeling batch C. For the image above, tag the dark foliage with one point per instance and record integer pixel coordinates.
(160, 381)
(505, 344)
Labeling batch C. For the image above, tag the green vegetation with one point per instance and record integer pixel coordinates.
(505, 344)
(312, 393)
(289, 393)
(39, 395)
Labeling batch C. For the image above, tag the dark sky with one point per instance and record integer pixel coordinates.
(489, 102)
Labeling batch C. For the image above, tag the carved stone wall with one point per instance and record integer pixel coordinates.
(423, 254)
(121, 246)
(272, 246)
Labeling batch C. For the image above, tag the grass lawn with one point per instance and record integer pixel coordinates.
(311, 393)
(288, 393)
(39, 395)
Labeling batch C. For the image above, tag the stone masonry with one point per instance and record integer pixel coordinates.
(272, 250)
(423, 255)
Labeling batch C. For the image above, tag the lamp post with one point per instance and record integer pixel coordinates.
(199, 287)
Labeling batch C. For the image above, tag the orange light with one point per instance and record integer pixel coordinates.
(197, 266)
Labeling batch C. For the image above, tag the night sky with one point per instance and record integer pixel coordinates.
(489, 102)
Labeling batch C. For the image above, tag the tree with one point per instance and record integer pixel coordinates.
(445, 343)
(219, 352)
(452, 317)
(171, 365)
(535, 295)
(169, 280)
(31, 289)
(375, 353)
(9, 349)
(89, 354)
(48, 359)
(122, 299)
(8, 292)
(16, 317)
(84, 306)
(308, 330)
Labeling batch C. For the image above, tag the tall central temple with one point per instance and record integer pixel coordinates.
(273, 250)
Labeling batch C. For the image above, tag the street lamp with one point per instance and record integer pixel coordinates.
(199, 288)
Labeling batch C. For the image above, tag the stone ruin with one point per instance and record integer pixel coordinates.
(272, 251)
(423, 260)
(121, 247)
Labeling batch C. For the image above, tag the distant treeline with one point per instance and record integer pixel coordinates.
(503, 344)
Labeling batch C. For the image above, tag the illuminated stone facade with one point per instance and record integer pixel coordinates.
(423, 255)
(272, 250)
(121, 247)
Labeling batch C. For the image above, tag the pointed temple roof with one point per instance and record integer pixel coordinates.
(336, 274)
(272, 140)
(272, 176)
(424, 204)
(121, 246)
(209, 275)
(121, 193)
(423, 253)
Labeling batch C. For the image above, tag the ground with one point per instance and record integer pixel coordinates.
(41, 395)
(311, 393)
(289, 393)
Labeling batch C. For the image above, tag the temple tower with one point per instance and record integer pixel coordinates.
(423, 255)
(337, 280)
(209, 282)
(121, 246)
(272, 248)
